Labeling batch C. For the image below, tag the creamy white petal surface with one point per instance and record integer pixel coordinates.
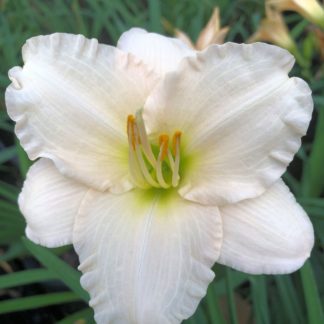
(270, 234)
(70, 102)
(146, 258)
(50, 202)
(240, 115)
(161, 53)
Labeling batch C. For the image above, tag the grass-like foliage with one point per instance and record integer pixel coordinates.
(39, 285)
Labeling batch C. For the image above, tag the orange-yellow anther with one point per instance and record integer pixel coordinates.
(176, 142)
(164, 144)
(131, 130)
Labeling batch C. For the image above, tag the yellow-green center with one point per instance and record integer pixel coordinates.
(152, 166)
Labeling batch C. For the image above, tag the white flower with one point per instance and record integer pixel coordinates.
(192, 180)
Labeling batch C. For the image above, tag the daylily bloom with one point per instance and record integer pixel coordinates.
(211, 34)
(273, 29)
(156, 161)
(310, 9)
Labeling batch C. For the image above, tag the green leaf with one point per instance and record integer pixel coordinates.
(237, 279)
(12, 224)
(288, 298)
(15, 249)
(313, 177)
(299, 28)
(310, 201)
(8, 191)
(199, 317)
(318, 100)
(84, 316)
(213, 306)
(67, 274)
(24, 162)
(259, 299)
(80, 22)
(19, 304)
(7, 154)
(293, 184)
(25, 277)
(312, 298)
(155, 15)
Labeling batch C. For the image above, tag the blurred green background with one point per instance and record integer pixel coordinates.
(39, 285)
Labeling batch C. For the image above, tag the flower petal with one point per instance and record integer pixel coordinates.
(146, 257)
(70, 103)
(49, 202)
(240, 115)
(161, 53)
(270, 234)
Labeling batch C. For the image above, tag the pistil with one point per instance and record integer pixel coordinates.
(176, 152)
(146, 169)
(163, 142)
(144, 140)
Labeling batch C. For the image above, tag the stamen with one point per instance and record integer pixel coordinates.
(164, 142)
(144, 140)
(130, 129)
(142, 164)
(135, 171)
(147, 170)
(171, 161)
(175, 139)
(176, 152)
(144, 170)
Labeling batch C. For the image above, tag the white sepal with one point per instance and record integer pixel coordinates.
(49, 202)
(270, 234)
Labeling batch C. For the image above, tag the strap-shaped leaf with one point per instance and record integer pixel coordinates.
(68, 275)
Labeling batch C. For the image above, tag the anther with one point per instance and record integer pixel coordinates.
(164, 143)
(176, 141)
(131, 130)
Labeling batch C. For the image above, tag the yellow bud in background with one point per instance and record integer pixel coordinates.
(273, 29)
(212, 33)
(183, 37)
(310, 9)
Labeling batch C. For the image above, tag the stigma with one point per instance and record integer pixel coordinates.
(152, 165)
